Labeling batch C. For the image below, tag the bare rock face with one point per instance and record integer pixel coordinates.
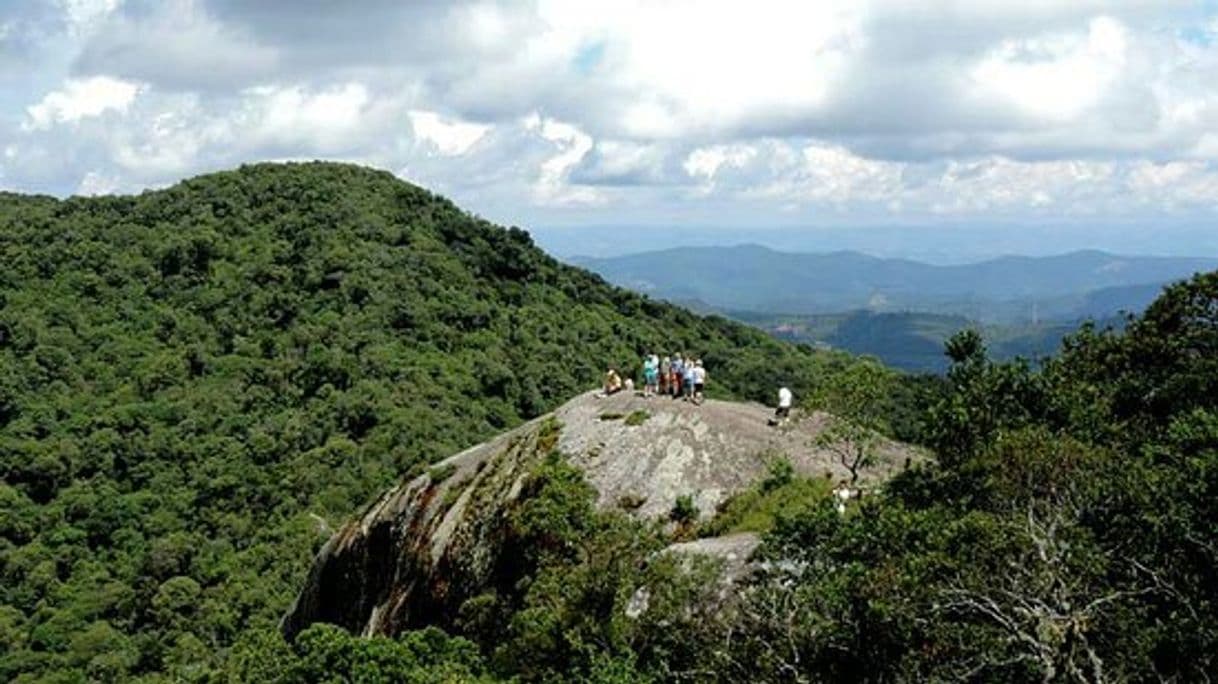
(397, 565)
(430, 543)
(709, 452)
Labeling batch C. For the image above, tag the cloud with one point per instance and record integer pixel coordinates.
(625, 163)
(323, 119)
(552, 186)
(81, 14)
(1056, 77)
(79, 99)
(642, 110)
(449, 137)
(175, 44)
(95, 183)
(1172, 185)
(704, 162)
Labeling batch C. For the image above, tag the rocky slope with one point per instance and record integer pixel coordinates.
(433, 541)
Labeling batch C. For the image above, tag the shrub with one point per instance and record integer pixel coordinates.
(684, 510)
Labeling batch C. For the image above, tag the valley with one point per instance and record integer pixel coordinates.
(902, 311)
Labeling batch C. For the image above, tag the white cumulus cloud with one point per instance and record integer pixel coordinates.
(552, 186)
(449, 137)
(615, 110)
(79, 99)
(1056, 76)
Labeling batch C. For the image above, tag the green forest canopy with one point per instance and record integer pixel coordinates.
(198, 383)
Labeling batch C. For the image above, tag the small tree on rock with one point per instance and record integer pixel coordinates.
(855, 403)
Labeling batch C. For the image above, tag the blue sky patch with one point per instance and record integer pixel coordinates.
(589, 57)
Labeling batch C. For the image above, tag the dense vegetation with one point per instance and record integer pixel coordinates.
(1066, 533)
(198, 384)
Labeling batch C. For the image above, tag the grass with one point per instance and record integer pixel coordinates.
(637, 418)
(612, 416)
(440, 473)
(547, 434)
(781, 494)
(453, 493)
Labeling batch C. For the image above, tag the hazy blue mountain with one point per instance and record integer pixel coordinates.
(1131, 298)
(943, 243)
(913, 341)
(1007, 289)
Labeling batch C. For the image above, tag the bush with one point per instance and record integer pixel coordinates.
(684, 510)
(780, 495)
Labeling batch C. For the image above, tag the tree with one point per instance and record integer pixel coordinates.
(981, 398)
(855, 403)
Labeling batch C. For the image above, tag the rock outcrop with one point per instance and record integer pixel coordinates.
(431, 542)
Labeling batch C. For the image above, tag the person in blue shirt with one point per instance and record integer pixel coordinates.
(690, 377)
(651, 375)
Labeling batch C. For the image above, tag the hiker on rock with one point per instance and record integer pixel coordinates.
(784, 406)
(665, 374)
(678, 373)
(613, 382)
(687, 382)
(699, 381)
(651, 375)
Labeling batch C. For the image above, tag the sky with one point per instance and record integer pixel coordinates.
(1095, 116)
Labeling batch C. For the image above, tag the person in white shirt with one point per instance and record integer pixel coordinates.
(699, 381)
(784, 404)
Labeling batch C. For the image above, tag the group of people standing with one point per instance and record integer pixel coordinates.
(675, 377)
(684, 378)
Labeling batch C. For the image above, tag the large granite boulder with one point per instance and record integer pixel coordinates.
(431, 542)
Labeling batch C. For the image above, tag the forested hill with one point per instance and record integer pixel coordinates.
(198, 383)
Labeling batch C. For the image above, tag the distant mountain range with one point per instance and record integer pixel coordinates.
(914, 341)
(752, 278)
(938, 243)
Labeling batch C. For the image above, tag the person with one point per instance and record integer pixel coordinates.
(687, 382)
(842, 493)
(784, 406)
(678, 373)
(665, 373)
(613, 382)
(651, 375)
(699, 381)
